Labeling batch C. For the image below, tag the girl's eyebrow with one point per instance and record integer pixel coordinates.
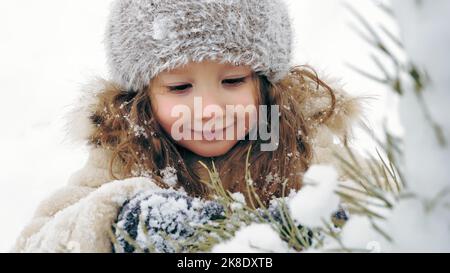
(175, 72)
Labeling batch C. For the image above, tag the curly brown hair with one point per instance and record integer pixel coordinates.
(126, 124)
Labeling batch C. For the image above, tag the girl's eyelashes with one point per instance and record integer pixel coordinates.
(235, 81)
(179, 88)
(183, 88)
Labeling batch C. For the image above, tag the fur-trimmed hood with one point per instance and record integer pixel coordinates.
(78, 217)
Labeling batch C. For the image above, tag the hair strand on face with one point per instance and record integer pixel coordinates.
(126, 125)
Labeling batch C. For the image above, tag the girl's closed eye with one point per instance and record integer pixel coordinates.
(179, 88)
(235, 82)
(185, 87)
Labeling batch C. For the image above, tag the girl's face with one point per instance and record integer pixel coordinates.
(190, 104)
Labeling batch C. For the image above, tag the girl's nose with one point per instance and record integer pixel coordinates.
(211, 97)
(213, 105)
(212, 111)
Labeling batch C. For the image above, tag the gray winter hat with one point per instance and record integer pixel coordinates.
(146, 37)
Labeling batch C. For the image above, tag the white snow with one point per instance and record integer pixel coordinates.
(252, 239)
(169, 176)
(421, 223)
(359, 235)
(315, 203)
(424, 33)
(165, 213)
(48, 51)
(162, 27)
(416, 229)
(166, 219)
(240, 201)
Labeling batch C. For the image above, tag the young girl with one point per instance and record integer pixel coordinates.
(168, 55)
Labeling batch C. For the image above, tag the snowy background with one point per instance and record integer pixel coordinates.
(49, 48)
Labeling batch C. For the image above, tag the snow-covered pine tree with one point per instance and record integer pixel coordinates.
(419, 219)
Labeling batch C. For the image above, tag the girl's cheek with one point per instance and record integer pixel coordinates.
(165, 114)
(242, 96)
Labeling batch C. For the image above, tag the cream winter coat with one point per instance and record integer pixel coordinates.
(78, 217)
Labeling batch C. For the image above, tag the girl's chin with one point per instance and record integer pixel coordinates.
(206, 148)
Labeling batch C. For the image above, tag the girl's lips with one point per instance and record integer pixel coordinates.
(212, 132)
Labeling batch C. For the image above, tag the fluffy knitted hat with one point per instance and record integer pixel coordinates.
(146, 37)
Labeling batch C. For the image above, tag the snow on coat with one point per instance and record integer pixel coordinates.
(78, 217)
